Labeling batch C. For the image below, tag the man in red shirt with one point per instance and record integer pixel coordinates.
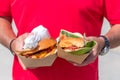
(84, 16)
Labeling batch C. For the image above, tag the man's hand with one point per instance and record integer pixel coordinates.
(95, 51)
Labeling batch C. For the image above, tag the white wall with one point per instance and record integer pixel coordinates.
(109, 67)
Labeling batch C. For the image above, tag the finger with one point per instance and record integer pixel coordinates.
(76, 64)
(25, 35)
(91, 58)
(90, 38)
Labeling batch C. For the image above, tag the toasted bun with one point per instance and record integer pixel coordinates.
(46, 43)
(65, 33)
(68, 42)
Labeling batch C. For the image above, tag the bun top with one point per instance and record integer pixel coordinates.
(68, 42)
(46, 43)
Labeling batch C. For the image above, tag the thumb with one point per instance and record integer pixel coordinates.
(89, 38)
(25, 35)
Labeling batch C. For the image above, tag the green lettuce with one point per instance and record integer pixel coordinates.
(86, 49)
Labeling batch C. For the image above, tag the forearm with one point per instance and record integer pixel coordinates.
(114, 36)
(6, 32)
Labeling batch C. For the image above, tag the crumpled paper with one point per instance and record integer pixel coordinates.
(38, 34)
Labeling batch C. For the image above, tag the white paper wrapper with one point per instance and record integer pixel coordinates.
(38, 34)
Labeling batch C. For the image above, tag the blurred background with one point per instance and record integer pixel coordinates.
(109, 65)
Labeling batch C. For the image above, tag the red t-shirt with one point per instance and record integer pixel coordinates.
(84, 16)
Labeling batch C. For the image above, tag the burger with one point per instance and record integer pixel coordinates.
(75, 43)
(44, 48)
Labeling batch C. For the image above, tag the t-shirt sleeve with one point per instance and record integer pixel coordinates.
(112, 11)
(5, 8)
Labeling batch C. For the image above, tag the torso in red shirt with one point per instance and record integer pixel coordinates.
(84, 16)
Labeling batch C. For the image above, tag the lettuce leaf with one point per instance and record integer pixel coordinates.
(88, 47)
